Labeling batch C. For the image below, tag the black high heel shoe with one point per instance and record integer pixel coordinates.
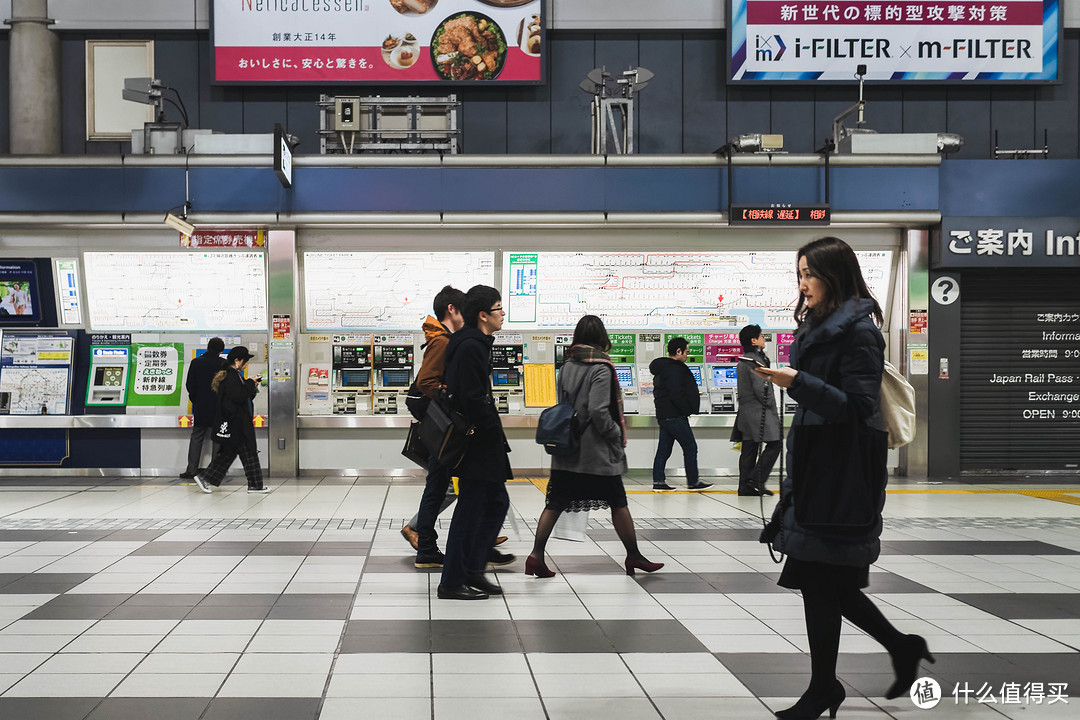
(905, 663)
(814, 702)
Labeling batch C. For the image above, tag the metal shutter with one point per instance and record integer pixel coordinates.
(1000, 321)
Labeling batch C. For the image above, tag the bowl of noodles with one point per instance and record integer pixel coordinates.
(468, 46)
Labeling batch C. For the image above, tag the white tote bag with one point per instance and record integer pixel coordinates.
(571, 526)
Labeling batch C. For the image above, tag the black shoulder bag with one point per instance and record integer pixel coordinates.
(445, 432)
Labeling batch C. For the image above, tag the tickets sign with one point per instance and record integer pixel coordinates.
(920, 40)
(378, 41)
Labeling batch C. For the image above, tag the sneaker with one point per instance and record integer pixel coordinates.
(699, 486)
(765, 491)
(496, 558)
(425, 560)
(260, 491)
(411, 537)
(203, 485)
(662, 488)
(187, 475)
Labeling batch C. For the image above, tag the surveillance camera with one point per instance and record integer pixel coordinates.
(180, 224)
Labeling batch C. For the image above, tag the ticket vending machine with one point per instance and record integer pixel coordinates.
(507, 384)
(351, 383)
(624, 372)
(393, 363)
(723, 389)
(698, 371)
(107, 382)
(783, 356)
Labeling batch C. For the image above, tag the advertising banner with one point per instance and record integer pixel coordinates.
(925, 40)
(378, 41)
(156, 373)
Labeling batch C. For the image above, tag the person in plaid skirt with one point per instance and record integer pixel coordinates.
(234, 428)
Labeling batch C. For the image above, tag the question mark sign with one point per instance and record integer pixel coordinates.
(945, 290)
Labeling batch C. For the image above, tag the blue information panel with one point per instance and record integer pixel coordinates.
(925, 40)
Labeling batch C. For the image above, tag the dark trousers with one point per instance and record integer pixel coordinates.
(199, 437)
(434, 500)
(478, 517)
(672, 429)
(223, 458)
(754, 471)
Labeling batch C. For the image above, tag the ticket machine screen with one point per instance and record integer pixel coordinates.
(724, 376)
(625, 373)
(505, 378)
(108, 376)
(696, 370)
(396, 378)
(356, 378)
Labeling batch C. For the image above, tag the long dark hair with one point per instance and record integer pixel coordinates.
(832, 261)
(590, 330)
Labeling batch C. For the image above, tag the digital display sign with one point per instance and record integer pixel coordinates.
(779, 215)
(403, 42)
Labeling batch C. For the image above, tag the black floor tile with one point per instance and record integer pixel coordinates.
(393, 564)
(70, 612)
(686, 643)
(233, 599)
(262, 709)
(776, 684)
(8, 578)
(46, 583)
(335, 547)
(309, 612)
(765, 663)
(150, 709)
(391, 627)
(972, 547)
(225, 547)
(743, 582)
(588, 643)
(479, 628)
(165, 547)
(149, 612)
(46, 708)
(887, 582)
(475, 644)
(672, 582)
(1025, 606)
(135, 535)
(282, 548)
(314, 599)
(228, 612)
(156, 599)
(30, 535)
(80, 599)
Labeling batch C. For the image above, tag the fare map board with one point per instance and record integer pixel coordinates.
(385, 290)
(181, 291)
(664, 290)
(35, 369)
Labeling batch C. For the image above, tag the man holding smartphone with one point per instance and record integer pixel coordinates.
(758, 421)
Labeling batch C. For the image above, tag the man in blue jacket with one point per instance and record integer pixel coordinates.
(204, 403)
(675, 394)
(485, 468)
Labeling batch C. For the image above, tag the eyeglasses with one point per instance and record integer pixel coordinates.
(498, 309)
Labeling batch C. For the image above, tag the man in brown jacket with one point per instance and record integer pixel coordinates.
(420, 531)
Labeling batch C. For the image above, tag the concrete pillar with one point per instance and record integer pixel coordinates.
(34, 77)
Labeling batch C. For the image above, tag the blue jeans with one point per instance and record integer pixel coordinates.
(672, 429)
(434, 500)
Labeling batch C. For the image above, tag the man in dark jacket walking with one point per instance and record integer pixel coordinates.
(485, 468)
(675, 393)
(758, 420)
(204, 403)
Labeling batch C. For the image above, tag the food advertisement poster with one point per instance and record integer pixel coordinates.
(378, 41)
(959, 40)
(156, 373)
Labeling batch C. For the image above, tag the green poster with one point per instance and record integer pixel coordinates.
(156, 375)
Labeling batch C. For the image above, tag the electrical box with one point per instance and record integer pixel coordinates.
(346, 113)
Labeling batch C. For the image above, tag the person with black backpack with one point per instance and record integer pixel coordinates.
(590, 478)
(234, 429)
(438, 494)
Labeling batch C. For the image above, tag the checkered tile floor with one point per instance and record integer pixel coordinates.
(143, 598)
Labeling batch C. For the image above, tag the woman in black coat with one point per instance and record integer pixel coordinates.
(835, 375)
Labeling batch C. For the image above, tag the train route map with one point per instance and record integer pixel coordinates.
(662, 290)
(35, 371)
(385, 290)
(184, 291)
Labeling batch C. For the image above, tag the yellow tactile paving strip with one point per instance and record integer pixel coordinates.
(1071, 496)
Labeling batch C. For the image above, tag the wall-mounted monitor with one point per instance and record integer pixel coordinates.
(20, 303)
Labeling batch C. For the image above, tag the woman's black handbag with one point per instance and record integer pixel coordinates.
(414, 449)
(838, 474)
(445, 432)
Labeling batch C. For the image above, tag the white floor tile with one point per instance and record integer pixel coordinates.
(296, 684)
(560, 708)
(403, 708)
(83, 663)
(488, 708)
(170, 685)
(75, 685)
(622, 685)
(403, 685)
(187, 663)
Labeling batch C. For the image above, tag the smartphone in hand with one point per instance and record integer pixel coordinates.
(751, 359)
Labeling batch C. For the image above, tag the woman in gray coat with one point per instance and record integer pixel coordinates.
(758, 421)
(591, 478)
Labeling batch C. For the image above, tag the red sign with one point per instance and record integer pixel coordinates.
(224, 237)
(917, 322)
(283, 327)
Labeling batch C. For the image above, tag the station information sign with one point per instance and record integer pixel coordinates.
(779, 215)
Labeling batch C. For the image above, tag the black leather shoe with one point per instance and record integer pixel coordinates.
(496, 558)
(765, 491)
(461, 592)
(481, 583)
(186, 475)
(750, 492)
